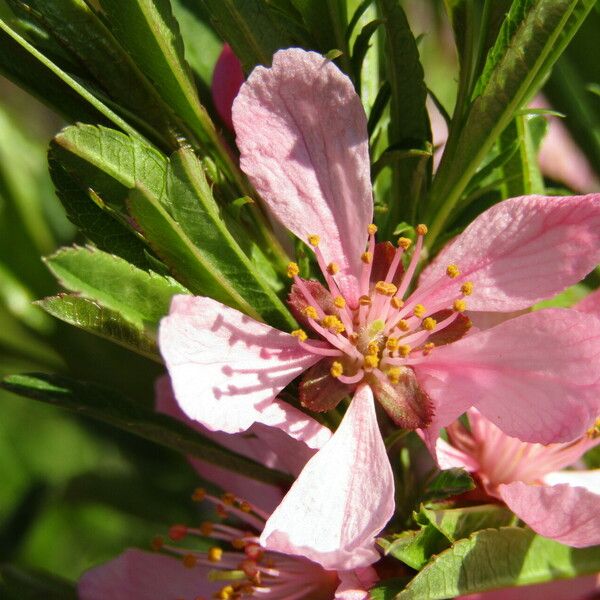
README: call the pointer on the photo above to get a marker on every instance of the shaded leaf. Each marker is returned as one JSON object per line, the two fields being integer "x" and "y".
{"x": 450, "y": 482}
{"x": 19, "y": 583}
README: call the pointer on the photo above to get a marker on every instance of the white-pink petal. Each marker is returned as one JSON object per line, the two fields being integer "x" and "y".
{"x": 227, "y": 368}
{"x": 521, "y": 251}
{"x": 342, "y": 499}
{"x": 137, "y": 575}
{"x": 355, "y": 584}
{"x": 302, "y": 133}
{"x": 537, "y": 376}
{"x": 589, "y": 480}
{"x": 570, "y": 515}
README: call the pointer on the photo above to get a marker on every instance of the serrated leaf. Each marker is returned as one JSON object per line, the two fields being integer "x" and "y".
{"x": 19, "y": 583}
{"x": 450, "y": 482}
{"x": 409, "y": 122}
{"x": 111, "y": 407}
{"x": 97, "y": 319}
{"x": 534, "y": 34}
{"x": 196, "y": 211}
{"x": 142, "y": 297}
{"x": 520, "y": 558}
{"x": 415, "y": 548}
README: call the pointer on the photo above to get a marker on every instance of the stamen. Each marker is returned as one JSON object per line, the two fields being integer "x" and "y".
{"x": 414, "y": 261}
{"x": 215, "y": 554}
{"x": 452, "y": 271}
{"x": 391, "y": 344}
{"x": 421, "y": 230}
{"x": 403, "y": 325}
{"x": 371, "y": 361}
{"x": 366, "y": 257}
{"x": 386, "y": 288}
{"x": 404, "y": 350}
{"x": 300, "y": 334}
{"x": 459, "y": 306}
{"x": 310, "y": 312}
{"x": 333, "y": 268}
{"x": 315, "y": 348}
{"x": 352, "y": 379}
{"x": 373, "y": 348}
{"x": 177, "y": 532}
{"x": 427, "y": 348}
{"x": 190, "y": 561}
{"x": 467, "y": 288}
{"x": 333, "y": 323}
{"x": 393, "y": 374}
{"x": 292, "y": 270}
{"x": 372, "y": 229}
{"x": 404, "y": 243}
{"x": 314, "y": 239}
{"x": 429, "y": 324}
{"x": 199, "y": 494}
{"x": 339, "y": 302}
{"x": 337, "y": 369}
{"x": 397, "y": 302}
{"x": 367, "y": 260}
{"x": 419, "y": 310}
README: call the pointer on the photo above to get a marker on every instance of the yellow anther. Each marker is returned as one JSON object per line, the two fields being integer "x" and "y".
{"x": 468, "y": 323}
{"x": 404, "y": 243}
{"x": 397, "y": 302}
{"x": 333, "y": 323}
{"x": 333, "y": 268}
{"x": 419, "y": 310}
{"x": 300, "y": 334}
{"x": 393, "y": 374}
{"x": 238, "y": 543}
{"x": 215, "y": 554}
{"x": 404, "y": 350}
{"x": 189, "y": 561}
{"x": 336, "y": 369}
{"x": 403, "y": 325}
{"x": 157, "y": 543}
{"x": 421, "y": 229}
{"x": 310, "y": 312}
{"x": 225, "y": 593}
{"x": 429, "y": 324}
{"x": 385, "y": 288}
{"x": 292, "y": 270}
{"x": 314, "y": 239}
{"x": 366, "y": 257}
{"x": 228, "y": 499}
{"x": 372, "y": 229}
{"x": 391, "y": 344}
{"x": 427, "y": 348}
{"x": 371, "y": 361}
{"x": 459, "y": 306}
{"x": 467, "y": 288}
{"x": 353, "y": 338}
{"x": 199, "y": 494}
{"x": 245, "y": 506}
{"x": 452, "y": 271}
{"x": 594, "y": 431}
{"x": 339, "y": 302}
{"x": 364, "y": 301}
{"x": 373, "y": 348}
{"x": 206, "y": 528}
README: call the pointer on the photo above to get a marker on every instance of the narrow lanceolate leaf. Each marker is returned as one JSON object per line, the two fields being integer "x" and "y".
{"x": 111, "y": 407}
{"x": 409, "y": 124}
{"x": 19, "y": 583}
{"x": 194, "y": 208}
{"x": 520, "y": 558}
{"x": 533, "y": 35}
{"x": 94, "y": 318}
{"x": 142, "y": 297}
{"x": 250, "y": 29}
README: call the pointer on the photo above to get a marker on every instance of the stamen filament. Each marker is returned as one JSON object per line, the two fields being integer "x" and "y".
{"x": 351, "y": 379}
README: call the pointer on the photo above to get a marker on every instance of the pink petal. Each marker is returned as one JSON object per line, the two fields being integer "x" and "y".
{"x": 137, "y": 575}
{"x": 227, "y": 78}
{"x": 226, "y": 368}
{"x": 589, "y": 480}
{"x": 536, "y": 376}
{"x": 522, "y": 251}
{"x": 302, "y": 134}
{"x": 590, "y": 304}
{"x": 449, "y": 457}
{"x": 342, "y": 499}
{"x": 579, "y": 588}
{"x": 570, "y": 515}
{"x": 355, "y": 584}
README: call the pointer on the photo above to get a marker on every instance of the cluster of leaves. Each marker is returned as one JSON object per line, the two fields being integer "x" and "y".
{"x": 147, "y": 173}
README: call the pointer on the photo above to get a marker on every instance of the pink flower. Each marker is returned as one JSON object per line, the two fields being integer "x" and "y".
{"x": 303, "y": 140}
{"x": 529, "y": 478}
{"x": 236, "y": 565}
{"x": 228, "y": 76}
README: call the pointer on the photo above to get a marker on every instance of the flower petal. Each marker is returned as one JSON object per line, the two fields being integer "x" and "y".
{"x": 449, "y": 457}
{"x": 302, "y": 134}
{"x": 590, "y": 304}
{"x": 536, "y": 376}
{"x": 355, "y": 584}
{"x": 226, "y": 368}
{"x": 319, "y": 391}
{"x": 137, "y": 575}
{"x": 342, "y": 499}
{"x": 570, "y": 515}
{"x": 227, "y": 78}
{"x": 589, "y": 480}
{"x": 522, "y": 251}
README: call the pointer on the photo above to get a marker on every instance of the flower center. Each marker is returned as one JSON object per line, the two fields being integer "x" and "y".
{"x": 388, "y": 328}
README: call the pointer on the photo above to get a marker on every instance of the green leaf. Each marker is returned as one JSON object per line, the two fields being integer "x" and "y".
{"x": 415, "y": 548}
{"x": 409, "y": 123}
{"x": 97, "y": 319}
{"x": 106, "y": 405}
{"x": 520, "y": 558}
{"x": 18, "y": 583}
{"x": 450, "y": 482}
{"x": 534, "y": 34}
{"x": 249, "y": 27}
{"x": 195, "y": 210}
{"x": 141, "y": 297}
{"x": 360, "y": 48}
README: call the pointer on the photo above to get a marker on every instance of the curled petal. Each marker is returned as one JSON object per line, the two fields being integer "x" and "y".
{"x": 537, "y": 376}
{"x": 137, "y": 575}
{"x": 355, "y": 584}
{"x": 302, "y": 134}
{"x": 570, "y": 515}
{"x": 522, "y": 251}
{"x": 227, "y": 78}
{"x": 227, "y": 368}
{"x": 342, "y": 499}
